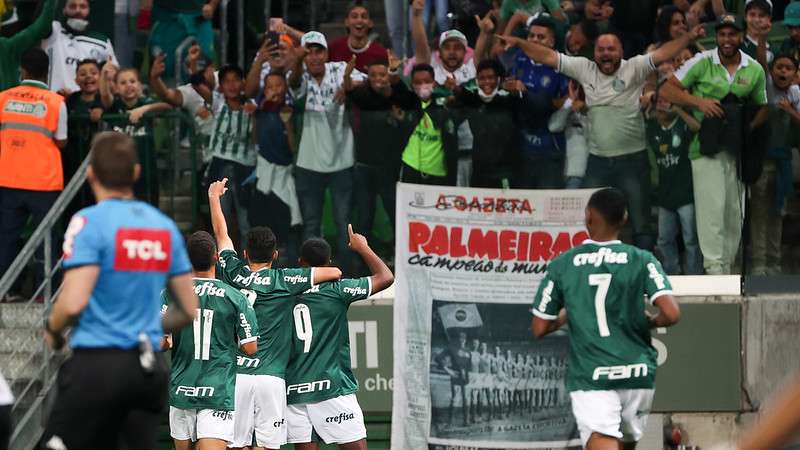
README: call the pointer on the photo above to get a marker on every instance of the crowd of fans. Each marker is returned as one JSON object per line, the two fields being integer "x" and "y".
{"x": 528, "y": 94}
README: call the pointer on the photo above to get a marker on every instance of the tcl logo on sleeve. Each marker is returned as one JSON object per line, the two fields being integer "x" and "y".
{"x": 142, "y": 250}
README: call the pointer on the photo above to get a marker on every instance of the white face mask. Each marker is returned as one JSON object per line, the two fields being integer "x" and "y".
{"x": 487, "y": 97}
{"x": 77, "y": 24}
{"x": 424, "y": 91}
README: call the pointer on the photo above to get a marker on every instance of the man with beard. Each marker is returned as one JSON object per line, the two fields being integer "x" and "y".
{"x": 616, "y": 137}
{"x": 701, "y": 83}
{"x": 69, "y": 43}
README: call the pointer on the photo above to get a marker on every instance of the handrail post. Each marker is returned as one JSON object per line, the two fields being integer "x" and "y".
{"x": 240, "y": 31}
{"x": 223, "y": 31}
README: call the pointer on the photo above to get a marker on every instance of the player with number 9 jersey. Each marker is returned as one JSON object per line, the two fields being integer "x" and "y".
{"x": 599, "y": 288}
{"x": 321, "y": 385}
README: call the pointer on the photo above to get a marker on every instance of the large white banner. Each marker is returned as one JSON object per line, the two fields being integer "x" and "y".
{"x": 467, "y": 373}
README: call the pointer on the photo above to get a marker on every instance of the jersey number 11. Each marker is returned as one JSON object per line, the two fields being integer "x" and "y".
{"x": 202, "y": 335}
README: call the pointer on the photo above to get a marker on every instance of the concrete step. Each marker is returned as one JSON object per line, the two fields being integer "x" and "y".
{"x": 180, "y": 211}
{"x": 20, "y": 366}
{"x": 27, "y": 340}
{"x": 20, "y": 315}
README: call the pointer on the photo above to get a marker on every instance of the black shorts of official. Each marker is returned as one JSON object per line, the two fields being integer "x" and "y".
{"x": 105, "y": 400}
{"x": 5, "y": 426}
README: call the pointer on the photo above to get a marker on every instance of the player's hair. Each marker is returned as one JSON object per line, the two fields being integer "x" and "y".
{"x": 611, "y": 204}
{"x": 201, "y": 248}
{"x": 422, "y": 68}
{"x": 316, "y": 252}
{"x": 260, "y": 244}
{"x": 89, "y": 61}
{"x": 491, "y": 64}
{"x": 113, "y": 159}
{"x": 35, "y": 62}
{"x": 230, "y": 68}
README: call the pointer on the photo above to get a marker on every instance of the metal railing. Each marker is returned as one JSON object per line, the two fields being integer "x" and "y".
{"x": 27, "y": 431}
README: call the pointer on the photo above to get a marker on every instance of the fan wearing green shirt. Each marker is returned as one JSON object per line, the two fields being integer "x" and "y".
{"x": 260, "y": 387}
{"x": 12, "y": 47}
{"x": 599, "y": 289}
{"x": 321, "y": 385}
{"x": 701, "y": 83}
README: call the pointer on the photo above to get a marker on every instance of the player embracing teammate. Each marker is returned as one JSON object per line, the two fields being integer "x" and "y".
{"x": 597, "y": 288}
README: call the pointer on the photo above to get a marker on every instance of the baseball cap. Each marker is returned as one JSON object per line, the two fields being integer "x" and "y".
{"x": 791, "y": 16}
{"x": 313, "y": 37}
{"x": 729, "y": 20}
{"x": 452, "y": 34}
{"x": 542, "y": 20}
{"x": 765, "y": 5}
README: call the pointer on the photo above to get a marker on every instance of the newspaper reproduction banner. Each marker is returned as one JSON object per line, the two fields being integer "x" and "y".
{"x": 467, "y": 372}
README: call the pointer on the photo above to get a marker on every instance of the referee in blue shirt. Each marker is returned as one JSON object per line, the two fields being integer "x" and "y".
{"x": 118, "y": 256}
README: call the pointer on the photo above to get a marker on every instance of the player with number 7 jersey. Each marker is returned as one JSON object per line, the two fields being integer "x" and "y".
{"x": 203, "y": 375}
{"x": 599, "y": 288}
{"x": 321, "y": 386}
{"x": 260, "y": 386}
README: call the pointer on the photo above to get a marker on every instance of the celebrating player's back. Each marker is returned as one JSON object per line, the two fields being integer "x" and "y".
{"x": 201, "y": 395}
{"x": 260, "y": 386}
{"x": 321, "y": 391}
{"x": 601, "y": 286}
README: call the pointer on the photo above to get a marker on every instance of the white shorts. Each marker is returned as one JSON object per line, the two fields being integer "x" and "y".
{"x": 260, "y": 408}
{"x": 621, "y": 413}
{"x": 194, "y": 424}
{"x": 337, "y": 421}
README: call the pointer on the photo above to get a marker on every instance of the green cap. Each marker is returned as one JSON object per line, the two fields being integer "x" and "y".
{"x": 729, "y": 20}
{"x": 791, "y": 16}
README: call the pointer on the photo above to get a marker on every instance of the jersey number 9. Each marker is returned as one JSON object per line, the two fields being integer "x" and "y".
{"x": 302, "y": 326}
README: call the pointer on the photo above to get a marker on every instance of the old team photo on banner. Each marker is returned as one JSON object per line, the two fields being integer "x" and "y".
{"x": 467, "y": 372}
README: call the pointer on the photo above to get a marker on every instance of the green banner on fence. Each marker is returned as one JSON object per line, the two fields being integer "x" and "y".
{"x": 700, "y": 357}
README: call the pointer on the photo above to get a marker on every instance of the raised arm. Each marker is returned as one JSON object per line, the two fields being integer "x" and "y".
{"x": 106, "y": 96}
{"x": 253, "y": 80}
{"x": 422, "y": 51}
{"x": 216, "y": 190}
{"x": 38, "y": 30}
{"x": 323, "y": 274}
{"x": 182, "y": 311}
{"x": 298, "y": 56}
{"x": 381, "y": 276}
{"x": 538, "y": 53}
{"x": 777, "y": 426}
{"x": 670, "y": 49}
{"x": 347, "y": 82}
{"x": 484, "y": 43}
{"x": 171, "y": 96}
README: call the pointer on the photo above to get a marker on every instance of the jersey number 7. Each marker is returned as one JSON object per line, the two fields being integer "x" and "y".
{"x": 602, "y": 281}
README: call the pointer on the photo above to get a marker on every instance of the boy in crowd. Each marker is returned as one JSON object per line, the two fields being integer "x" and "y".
{"x": 670, "y": 131}
{"x": 277, "y": 144}
{"x": 231, "y": 146}
{"x": 758, "y": 19}
{"x": 325, "y": 352}
{"x": 203, "y": 376}
{"x": 87, "y": 99}
{"x": 768, "y": 194}
{"x": 357, "y": 42}
{"x": 377, "y": 136}
{"x": 489, "y": 111}
{"x": 132, "y": 102}
{"x": 430, "y": 155}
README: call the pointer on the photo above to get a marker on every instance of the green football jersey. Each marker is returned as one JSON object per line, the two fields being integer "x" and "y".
{"x": 320, "y": 365}
{"x": 204, "y": 355}
{"x": 271, "y": 293}
{"x": 603, "y": 287}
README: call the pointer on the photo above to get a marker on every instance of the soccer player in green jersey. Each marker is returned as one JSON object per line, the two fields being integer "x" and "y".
{"x": 598, "y": 289}
{"x": 321, "y": 391}
{"x": 260, "y": 386}
{"x": 201, "y": 394}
